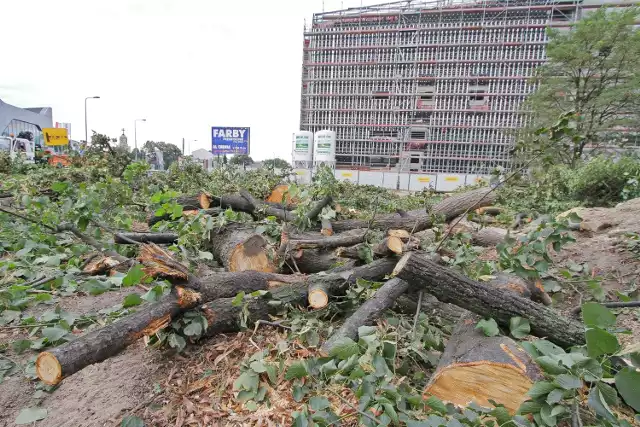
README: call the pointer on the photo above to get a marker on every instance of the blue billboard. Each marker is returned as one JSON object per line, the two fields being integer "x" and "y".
{"x": 226, "y": 140}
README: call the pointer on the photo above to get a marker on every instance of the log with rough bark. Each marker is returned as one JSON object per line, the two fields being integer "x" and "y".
{"x": 521, "y": 287}
{"x": 489, "y": 236}
{"x": 157, "y": 238}
{"x": 486, "y": 300}
{"x": 367, "y": 313}
{"x": 240, "y": 249}
{"x": 55, "y": 364}
{"x": 489, "y": 210}
{"x": 388, "y": 247}
{"x": 198, "y": 201}
{"x": 153, "y": 219}
{"x": 419, "y": 220}
{"x": 223, "y": 317}
{"x": 439, "y": 313}
{"x": 481, "y": 369}
{"x": 314, "y": 261}
{"x": 318, "y": 241}
{"x": 283, "y": 214}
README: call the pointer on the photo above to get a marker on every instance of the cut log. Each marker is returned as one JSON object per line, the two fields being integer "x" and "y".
{"x": 280, "y": 193}
{"x": 388, "y": 247}
{"x": 223, "y": 317}
{"x": 419, "y": 220}
{"x": 481, "y": 369}
{"x": 239, "y": 249}
{"x": 318, "y": 295}
{"x": 367, "y": 313}
{"x": 489, "y": 236}
{"x": 198, "y": 201}
{"x": 157, "y": 238}
{"x": 404, "y": 235}
{"x": 489, "y": 210}
{"x": 439, "y": 313}
{"x": 348, "y": 238}
{"x": 315, "y": 261}
{"x": 485, "y": 300}
{"x": 60, "y": 362}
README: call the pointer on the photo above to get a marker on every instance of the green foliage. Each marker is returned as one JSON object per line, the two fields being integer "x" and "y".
{"x": 602, "y": 181}
{"x": 276, "y": 163}
{"x": 31, "y": 415}
{"x": 170, "y": 152}
{"x": 592, "y": 73}
{"x": 489, "y": 327}
{"x": 241, "y": 159}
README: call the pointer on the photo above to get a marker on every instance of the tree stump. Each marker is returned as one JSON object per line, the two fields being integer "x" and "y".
{"x": 241, "y": 249}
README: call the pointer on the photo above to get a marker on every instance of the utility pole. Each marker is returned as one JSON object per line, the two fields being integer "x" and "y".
{"x": 183, "y": 146}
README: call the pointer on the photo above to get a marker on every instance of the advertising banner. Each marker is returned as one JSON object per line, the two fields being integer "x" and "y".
{"x": 230, "y": 140}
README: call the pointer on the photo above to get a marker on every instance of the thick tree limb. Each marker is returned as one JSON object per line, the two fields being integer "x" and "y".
{"x": 485, "y": 300}
{"x": 157, "y": 238}
{"x": 368, "y": 313}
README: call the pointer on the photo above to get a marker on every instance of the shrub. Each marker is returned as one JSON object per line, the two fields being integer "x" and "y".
{"x": 602, "y": 180}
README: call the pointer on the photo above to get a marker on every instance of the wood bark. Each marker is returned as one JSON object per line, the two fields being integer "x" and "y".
{"x": 439, "y": 313}
{"x": 489, "y": 236}
{"x": 157, "y": 238}
{"x": 239, "y": 249}
{"x": 477, "y": 368}
{"x": 489, "y": 210}
{"x": 55, "y": 364}
{"x": 223, "y": 317}
{"x": 521, "y": 287}
{"x": 486, "y": 300}
{"x": 153, "y": 220}
{"x": 311, "y": 261}
{"x": 388, "y": 247}
{"x": 367, "y": 313}
{"x": 348, "y": 238}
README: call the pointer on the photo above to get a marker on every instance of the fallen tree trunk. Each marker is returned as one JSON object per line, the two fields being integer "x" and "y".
{"x": 367, "y": 313}
{"x": 348, "y": 238}
{"x": 521, "y": 287}
{"x": 486, "y": 300}
{"x": 489, "y": 236}
{"x": 388, "y": 247}
{"x": 60, "y": 362}
{"x": 198, "y": 201}
{"x": 311, "y": 261}
{"x": 419, "y": 220}
{"x": 439, "y": 313}
{"x": 239, "y": 249}
{"x": 481, "y": 369}
{"x": 157, "y": 238}
{"x": 223, "y": 317}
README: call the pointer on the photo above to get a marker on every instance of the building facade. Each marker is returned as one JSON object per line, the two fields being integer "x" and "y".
{"x": 16, "y": 121}
{"x": 428, "y": 90}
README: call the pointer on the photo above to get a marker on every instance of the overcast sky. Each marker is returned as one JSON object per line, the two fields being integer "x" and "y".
{"x": 184, "y": 65}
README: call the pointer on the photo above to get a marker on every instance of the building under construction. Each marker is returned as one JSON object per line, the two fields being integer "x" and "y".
{"x": 432, "y": 88}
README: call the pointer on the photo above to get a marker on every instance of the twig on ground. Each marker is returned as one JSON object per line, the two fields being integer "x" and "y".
{"x": 575, "y": 415}
{"x": 628, "y": 304}
{"x": 417, "y": 316}
{"x": 274, "y": 324}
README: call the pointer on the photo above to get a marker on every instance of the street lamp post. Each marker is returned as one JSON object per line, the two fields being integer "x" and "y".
{"x": 86, "y": 130}
{"x": 135, "y": 134}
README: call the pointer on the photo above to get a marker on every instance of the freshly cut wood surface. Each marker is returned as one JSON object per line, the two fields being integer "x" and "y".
{"x": 240, "y": 249}
{"x": 477, "y": 368}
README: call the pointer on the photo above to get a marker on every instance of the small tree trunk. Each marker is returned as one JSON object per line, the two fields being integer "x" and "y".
{"x": 242, "y": 249}
{"x": 388, "y": 247}
{"x": 199, "y": 201}
{"x": 485, "y": 300}
{"x": 489, "y": 236}
{"x": 311, "y": 261}
{"x": 477, "y": 368}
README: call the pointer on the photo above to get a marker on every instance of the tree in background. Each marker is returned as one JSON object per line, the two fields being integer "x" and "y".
{"x": 592, "y": 80}
{"x": 26, "y": 135}
{"x": 276, "y": 164}
{"x": 241, "y": 159}
{"x": 170, "y": 152}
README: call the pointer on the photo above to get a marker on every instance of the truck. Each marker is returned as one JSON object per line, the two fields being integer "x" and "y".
{"x": 18, "y": 147}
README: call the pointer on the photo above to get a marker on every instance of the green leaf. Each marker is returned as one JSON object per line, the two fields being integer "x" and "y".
{"x": 519, "y": 327}
{"x": 312, "y": 338}
{"x": 437, "y": 405}
{"x": 597, "y": 403}
{"x": 237, "y": 300}
{"x": 154, "y": 294}
{"x": 366, "y": 330}
{"x": 132, "y": 421}
{"x": 59, "y": 187}
{"x": 545, "y": 414}
{"x": 608, "y": 393}
{"x": 551, "y": 365}
{"x": 489, "y": 327}
{"x": 555, "y": 396}
{"x": 245, "y": 395}
{"x": 272, "y": 373}
{"x": 541, "y": 388}
{"x": 299, "y": 392}
{"x": 205, "y": 255}
{"x": 31, "y": 415}
{"x": 594, "y": 314}
{"x": 131, "y": 300}
{"x": 600, "y": 342}
{"x": 193, "y": 329}
{"x": 20, "y": 346}
{"x": 502, "y": 415}
{"x": 530, "y": 407}
{"x": 318, "y": 403}
{"x": 134, "y": 276}
{"x": 176, "y": 211}
{"x": 297, "y": 370}
{"x": 574, "y": 218}
{"x": 344, "y": 348}
{"x": 628, "y": 385}
{"x": 568, "y": 382}
{"x": 177, "y": 342}
{"x": 54, "y": 334}
{"x": 248, "y": 380}
{"x": 258, "y": 366}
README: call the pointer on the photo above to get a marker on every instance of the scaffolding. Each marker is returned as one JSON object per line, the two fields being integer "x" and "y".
{"x": 430, "y": 87}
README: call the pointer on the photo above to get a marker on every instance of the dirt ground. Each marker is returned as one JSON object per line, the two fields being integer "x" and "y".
{"x": 194, "y": 389}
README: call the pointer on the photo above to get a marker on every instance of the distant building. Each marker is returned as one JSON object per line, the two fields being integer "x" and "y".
{"x": 15, "y": 120}
{"x": 123, "y": 141}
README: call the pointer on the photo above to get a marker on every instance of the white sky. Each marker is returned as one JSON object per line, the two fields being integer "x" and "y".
{"x": 184, "y": 65}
